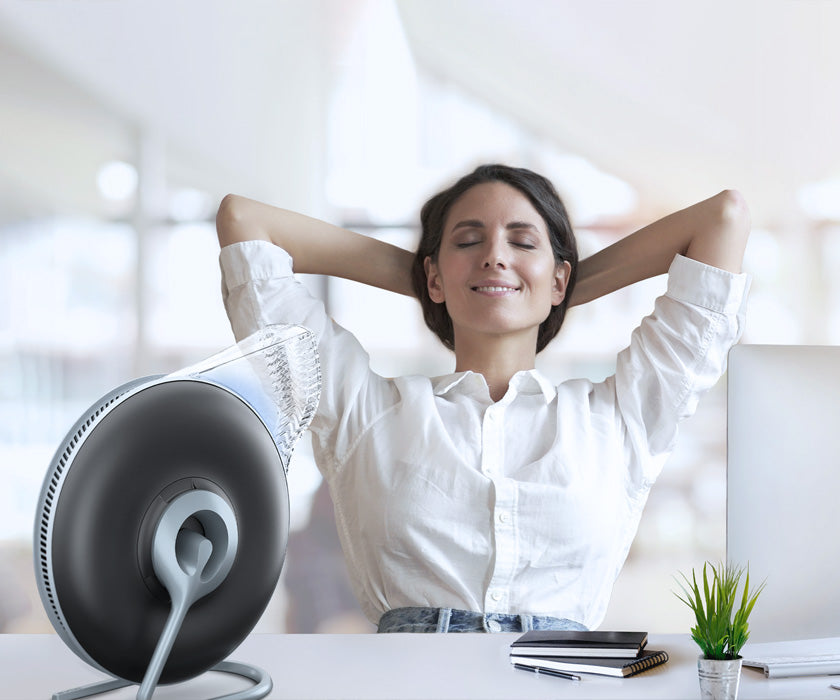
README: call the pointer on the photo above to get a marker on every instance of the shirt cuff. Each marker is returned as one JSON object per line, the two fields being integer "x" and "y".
{"x": 250, "y": 261}
{"x": 693, "y": 282}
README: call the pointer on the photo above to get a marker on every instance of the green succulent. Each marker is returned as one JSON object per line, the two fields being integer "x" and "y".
{"x": 721, "y": 630}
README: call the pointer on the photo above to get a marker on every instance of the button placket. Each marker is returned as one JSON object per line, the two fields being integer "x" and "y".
{"x": 492, "y": 443}
{"x": 503, "y": 523}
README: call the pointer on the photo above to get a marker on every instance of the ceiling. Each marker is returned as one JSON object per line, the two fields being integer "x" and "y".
{"x": 679, "y": 98}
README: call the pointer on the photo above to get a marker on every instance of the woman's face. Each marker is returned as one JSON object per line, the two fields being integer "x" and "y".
{"x": 495, "y": 269}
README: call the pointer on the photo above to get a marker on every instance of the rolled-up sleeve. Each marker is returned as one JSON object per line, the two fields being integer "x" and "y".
{"x": 675, "y": 355}
{"x": 259, "y": 289}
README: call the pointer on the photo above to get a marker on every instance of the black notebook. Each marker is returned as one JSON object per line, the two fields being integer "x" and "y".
{"x": 624, "y": 645}
{"x": 601, "y": 666}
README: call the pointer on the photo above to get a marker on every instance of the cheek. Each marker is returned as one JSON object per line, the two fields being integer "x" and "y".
{"x": 449, "y": 273}
{"x": 545, "y": 273}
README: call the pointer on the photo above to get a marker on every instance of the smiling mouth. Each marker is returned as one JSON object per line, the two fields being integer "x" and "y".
{"x": 495, "y": 289}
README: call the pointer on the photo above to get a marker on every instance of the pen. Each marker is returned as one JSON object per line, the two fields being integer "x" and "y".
{"x": 548, "y": 672}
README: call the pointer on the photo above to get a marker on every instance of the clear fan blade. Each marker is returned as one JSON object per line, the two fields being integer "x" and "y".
{"x": 277, "y": 371}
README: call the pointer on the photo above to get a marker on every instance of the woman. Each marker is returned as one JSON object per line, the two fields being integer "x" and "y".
{"x": 489, "y": 499}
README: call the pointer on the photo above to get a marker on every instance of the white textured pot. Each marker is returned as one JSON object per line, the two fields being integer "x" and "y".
{"x": 719, "y": 678}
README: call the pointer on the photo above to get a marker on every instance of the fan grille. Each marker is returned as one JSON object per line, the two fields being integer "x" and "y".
{"x": 62, "y": 458}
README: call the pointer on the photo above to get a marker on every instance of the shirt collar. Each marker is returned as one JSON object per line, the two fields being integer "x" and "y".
{"x": 525, "y": 382}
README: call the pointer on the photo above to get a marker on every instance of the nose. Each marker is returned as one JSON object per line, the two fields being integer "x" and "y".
{"x": 494, "y": 254}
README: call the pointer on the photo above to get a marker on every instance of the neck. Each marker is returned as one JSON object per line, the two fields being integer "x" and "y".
{"x": 496, "y": 359}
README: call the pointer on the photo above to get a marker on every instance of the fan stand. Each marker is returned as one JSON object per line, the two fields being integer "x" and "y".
{"x": 257, "y": 692}
{"x": 190, "y": 561}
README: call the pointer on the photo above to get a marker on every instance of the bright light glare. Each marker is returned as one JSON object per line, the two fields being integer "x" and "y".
{"x": 374, "y": 121}
{"x": 117, "y": 180}
{"x": 763, "y": 256}
{"x": 591, "y": 193}
{"x": 821, "y": 200}
{"x": 189, "y": 204}
{"x": 184, "y": 276}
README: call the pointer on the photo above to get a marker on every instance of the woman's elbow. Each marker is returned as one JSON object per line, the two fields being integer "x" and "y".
{"x": 734, "y": 212}
{"x": 232, "y": 221}
{"x": 721, "y": 237}
{"x": 228, "y": 219}
{"x": 733, "y": 222}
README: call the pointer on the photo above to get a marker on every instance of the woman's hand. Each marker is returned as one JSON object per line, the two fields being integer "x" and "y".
{"x": 714, "y": 231}
{"x": 315, "y": 246}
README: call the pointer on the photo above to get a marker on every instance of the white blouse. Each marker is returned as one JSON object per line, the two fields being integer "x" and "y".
{"x": 444, "y": 498}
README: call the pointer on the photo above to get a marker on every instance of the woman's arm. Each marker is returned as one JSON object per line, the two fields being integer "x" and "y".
{"x": 316, "y": 246}
{"x": 713, "y": 231}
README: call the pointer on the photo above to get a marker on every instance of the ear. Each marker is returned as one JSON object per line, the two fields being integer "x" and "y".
{"x": 433, "y": 281}
{"x": 562, "y": 273}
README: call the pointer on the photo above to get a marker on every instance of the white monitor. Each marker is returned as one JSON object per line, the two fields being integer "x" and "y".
{"x": 783, "y": 485}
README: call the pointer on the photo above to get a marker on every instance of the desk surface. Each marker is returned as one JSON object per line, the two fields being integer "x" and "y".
{"x": 387, "y": 666}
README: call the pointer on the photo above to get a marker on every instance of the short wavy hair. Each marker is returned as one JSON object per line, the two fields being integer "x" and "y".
{"x": 543, "y": 197}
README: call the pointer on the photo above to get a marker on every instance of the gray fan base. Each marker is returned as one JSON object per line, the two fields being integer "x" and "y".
{"x": 189, "y": 565}
{"x": 257, "y": 692}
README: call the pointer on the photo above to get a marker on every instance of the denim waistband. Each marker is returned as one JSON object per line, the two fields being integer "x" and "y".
{"x": 418, "y": 619}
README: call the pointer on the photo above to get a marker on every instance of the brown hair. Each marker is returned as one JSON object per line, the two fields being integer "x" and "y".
{"x": 543, "y": 197}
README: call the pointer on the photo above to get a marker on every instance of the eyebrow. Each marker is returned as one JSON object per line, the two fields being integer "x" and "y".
{"x": 468, "y": 223}
{"x": 476, "y": 223}
{"x": 521, "y": 224}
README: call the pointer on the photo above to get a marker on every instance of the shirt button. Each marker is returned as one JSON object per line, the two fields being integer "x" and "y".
{"x": 495, "y": 595}
{"x": 503, "y": 517}
{"x": 494, "y": 626}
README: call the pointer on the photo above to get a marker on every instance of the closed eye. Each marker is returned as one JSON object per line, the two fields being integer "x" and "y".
{"x": 523, "y": 234}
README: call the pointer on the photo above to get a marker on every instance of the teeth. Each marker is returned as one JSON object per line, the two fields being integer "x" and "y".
{"x": 495, "y": 289}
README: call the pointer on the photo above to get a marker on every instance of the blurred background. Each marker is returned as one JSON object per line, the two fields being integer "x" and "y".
{"x": 123, "y": 123}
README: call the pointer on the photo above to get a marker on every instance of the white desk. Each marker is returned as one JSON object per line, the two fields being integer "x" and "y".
{"x": 387, "y": 666}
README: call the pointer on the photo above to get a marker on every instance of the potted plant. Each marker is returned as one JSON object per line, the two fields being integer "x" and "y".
{"x": 721, "y": 628}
